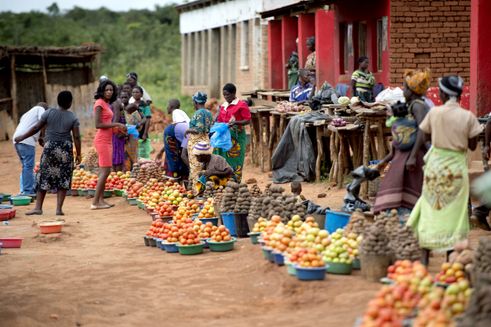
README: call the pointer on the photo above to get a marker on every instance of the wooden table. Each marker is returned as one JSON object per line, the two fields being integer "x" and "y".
{"x": 260, "y": 135}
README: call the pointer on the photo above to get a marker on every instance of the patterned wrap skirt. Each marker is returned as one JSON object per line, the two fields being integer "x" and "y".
{"x": 56, "y": 167}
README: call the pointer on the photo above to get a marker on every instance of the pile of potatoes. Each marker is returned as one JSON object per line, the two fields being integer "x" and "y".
{"x": 243, "y": 200}
{"x": 375, "y": 240}
{"x": 256, "y": 191}
{"x": 478, "y": 312}
{"x": 229, "y": 198}
{"x": 357, "y": 223}
{"x": 404, "y": 244}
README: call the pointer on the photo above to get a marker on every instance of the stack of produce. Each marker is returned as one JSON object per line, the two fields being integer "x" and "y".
{"x": 311, "y": 259}
{"x": 404, "y": 244}
{"x": 256, "y": 209}
{"x": 464, "y": 255}
{"x": 260, "y": 225}
{"x": 256, "y": 191}
{"x": 154, "y": 230}
{"x": 281, "y": 238}
{"x": 164, "y": 209}
{"x": 243, "y": 200}
{"x": 208, "y": 210}
{"x": 189, "y": 237}
{"x": 482, "y": 259}
{"x": 116, "y": 180}
{"x": 450, "y": 273}
{"x": 375, "y": 240}
{"x": 79, "y": 178}
{"x": 478, "y": 313}
{"x": 133, "y": 188}
{"x": 90, "y": 160}
{"x": 221, "y": 234}
{"x": 295, "y": 223}
{"x": 401, "y": 269}
{"x": 270, "y": 226}
{"x": 343, "y": 249}
{"x": 148, "y": 169}
{"x": 91, "y": 182}
{"x": 206, "y": 230}
{"x": 286, "y": 106}
{"x": 267, "y": 190}
{"x": 229, "y": 198}
{"x": 135, "y": 171}
{"x": 273, "y": 203}
{"x": 313, "y": 238}
{"x": 357, "y": 223}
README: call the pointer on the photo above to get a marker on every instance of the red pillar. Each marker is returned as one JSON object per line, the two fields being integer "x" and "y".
{"x": 275, "y": 55}
{"x": 289, "y": 33}
{"x": 480, "y": 87}
{"x": 306, "y": 29}
{"x": 327, "y": 47}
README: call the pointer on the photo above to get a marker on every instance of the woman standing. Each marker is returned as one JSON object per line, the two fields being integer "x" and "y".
{"x": 310, "y": 62}
{"x": 236, "y": 113}
{"x": 401, "y": 186}
{"x": 362, "y": 81}
{"x": 144, "y": 146}
{"x": 132, "y": 117}
{"x": 119, "y": 139}
{"x": 199, "y": 128}
{"x": 440, "y": 217}
{"x": 56, "y": 167}
{"x": 106, "y": 94}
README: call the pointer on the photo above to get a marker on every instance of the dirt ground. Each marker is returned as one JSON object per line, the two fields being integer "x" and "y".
{"x": 99, "y": 273}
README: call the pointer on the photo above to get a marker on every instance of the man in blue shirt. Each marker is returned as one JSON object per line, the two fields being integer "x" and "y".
{"x": 304, "y": 89}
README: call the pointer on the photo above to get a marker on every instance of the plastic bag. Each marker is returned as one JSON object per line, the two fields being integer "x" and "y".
{"x": 131, "y": 130}
{"x": 221, "y": 137}
{"x": 390, "y": 95}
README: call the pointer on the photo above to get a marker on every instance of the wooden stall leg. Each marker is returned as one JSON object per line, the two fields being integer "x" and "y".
{"x": 320, "y": 153}
{"x": 341, "y": 166}
{"x": 366, "y": 154}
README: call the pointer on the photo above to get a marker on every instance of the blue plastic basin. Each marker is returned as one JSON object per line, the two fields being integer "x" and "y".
{"x": 335, "y": 220}
{"x": 214, "y": 221}
{"x": 310, "y": 273}
{"x": 228, "y": 219}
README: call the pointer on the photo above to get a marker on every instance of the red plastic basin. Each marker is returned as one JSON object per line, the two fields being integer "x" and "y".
{"x": 13, "y": 242}
{"x": 50, "y": 227}
{"x": 6, "y": 214}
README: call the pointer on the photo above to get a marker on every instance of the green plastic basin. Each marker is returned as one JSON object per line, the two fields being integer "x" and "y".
{"x": 221, "y": 246}
{"x": 190, "y": 249}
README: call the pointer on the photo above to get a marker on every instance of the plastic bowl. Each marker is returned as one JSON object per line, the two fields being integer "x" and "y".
{"x": 5, "y": 197}
{"x": 140, "y": 204}
{"x": 82, "y": 192}
{"x": 153, "y": 242}
{"x": 338, "y": 268}
{"x": 6, "y": 214}
{"x": 118, "y": 192}
{"x": 313, "y": 273}
{"x": 221, "y": 246}
{"x": 170, "y": 247}
{"x": 146, "y": 240}
{"x": 6, "y": 206}
{"x": 290, "y": 268}
{"x": 108, "y": 193}
{"x": 158, "y": 242}
{"x": 132, "y": 201}
{"x": 74, "y": 192}
{"x": 190, "y": 249}
{"x": 91, "y": 192}
{"x": 268, "y": 253}
{"x": 254, "y": 237}
{"x": 356, "y": 264}
{"x": 213, "y": 220}
{"x": 279, "y": 259}
{"x": 50, "y": 227}
{"x": 12, "y": 242}
{"x": 20, "y": 200}
{"x": 205, "y": 243}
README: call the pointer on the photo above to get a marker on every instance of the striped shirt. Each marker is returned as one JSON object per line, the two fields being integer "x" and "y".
{"x": 364, "y": 81}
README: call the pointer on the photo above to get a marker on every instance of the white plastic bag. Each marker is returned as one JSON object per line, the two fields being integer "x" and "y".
{"x": 391, "y": 95}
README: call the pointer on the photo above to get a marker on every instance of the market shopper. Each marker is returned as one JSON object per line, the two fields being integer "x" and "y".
{"x": 199, "y": 129}
{"x": 133, "y": 117}
{"x": 132, "y": 80}
{"x": 212, "y": 167}
{"x": 174, "y": 110}
{"x": 311, "y": 58}
{"x": 106, "y": 93}
{"x": 236, "y": 113}
{"x": 304, "y": 89}
{"x": 440, "y": 217}
{"x": 363, "y": 81}
{"x": 56, "y": 167}
{"x": 144, "y": 146}
{"x": 401, "y": 186}
{"x": 119, "y": 139}
{"x": 26, "y": 150}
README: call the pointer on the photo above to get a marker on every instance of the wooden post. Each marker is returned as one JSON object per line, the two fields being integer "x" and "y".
{"x": 341, "y": 165}
{"x": 320, "y": 153}
{"x": 45, "y": 79}
{"x": 13, "y": 91}
{"x": 366, "y": 154}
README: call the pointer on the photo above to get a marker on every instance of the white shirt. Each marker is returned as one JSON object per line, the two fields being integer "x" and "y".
{"x": 27, "y": 121}
{"x": 146, "y": 97}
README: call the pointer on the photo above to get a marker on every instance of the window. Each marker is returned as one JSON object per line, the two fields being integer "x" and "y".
{"x": 244, "y": 45}
{"x": 381, "y": 40}
{"x": 347, "y": 46}
{"x": 362, "y": 39}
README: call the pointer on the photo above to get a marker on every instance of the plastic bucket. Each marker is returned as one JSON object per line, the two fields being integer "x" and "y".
{"x": 290, "y": 268}
{"x": 279, "y": 259}
{"x": 170, "y": 247}
{"x": 356, "y": 264}
{"x": 214, "y": 221}
{"x": 241, "y": 224}
{"x": 221, "y": 246}
{"x": 335, "y": 220}
{"x": 338, "y": 268}
{"x": 314, "y": 273}
{"x": 254, "y": 237}
{"x": 228, "y": 219}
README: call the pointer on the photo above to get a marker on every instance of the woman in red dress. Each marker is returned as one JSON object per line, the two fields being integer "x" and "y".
{"x": 106, "y": 94}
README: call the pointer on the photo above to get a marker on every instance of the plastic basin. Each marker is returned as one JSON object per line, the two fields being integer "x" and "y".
{"x": 82, "y": 192}
{"x": 228, "y": 219}
{"x": 132, "y": 201}
{"x": 20, "y": 200}
{"x": 279, "y": 259}
{"x": 91, "y": 192}
{"x": 335, "y": 220}
{"x": 74, "y": 192}
{"x": 264, "y": 251}
{"x": 146, "y": 240}
{"x": 268, "y": 253}
{"x": 118, "y": 192}
{"x": 221, "y": 246}
{"x": 140, "y": 204}
{"x": 356, "y": 264}
{"x": 290, "y": 268}
{"x": 153, "y": 242}
{"x": 254, "y": 237}
{"x": 338, "y": 268}
{"x": 6, "y": 214}
{"x": 170, "y": 247}
{"x": 190, "y": 249}
{"x": 158, "y": 242}
{"x": 108, "y": 193}
{"x": 5, "y": 197}
{"x": 312, "y": 273}
{"x": 11, "y": 242}
{"x": 50, "y": 227}
{"x": 214, "y": 220}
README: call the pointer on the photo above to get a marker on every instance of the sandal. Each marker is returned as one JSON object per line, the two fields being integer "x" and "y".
{"x": 94, "y": 207}
{"x": 34, "y": 212}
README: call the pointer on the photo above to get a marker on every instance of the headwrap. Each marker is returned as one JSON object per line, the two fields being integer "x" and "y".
{"x": 418, "y": 81}
{"x": 103, "y": 78}
{"x": 179, "y": 116}
{"x": 202, "y": 148}
{"x": 451, "y": 85}
{"x": 200, "y": 97}
{"x": 133, "y": 75}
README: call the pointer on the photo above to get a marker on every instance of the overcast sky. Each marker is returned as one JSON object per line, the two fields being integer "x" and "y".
{"x": 116, "y": 5}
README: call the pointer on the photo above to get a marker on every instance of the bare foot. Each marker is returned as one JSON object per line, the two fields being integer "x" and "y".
{"x": 60, "y": 213}
{"x": 34, "y": 212}
{"x": 99, "y": 206}
{"x": 107, "y": 204}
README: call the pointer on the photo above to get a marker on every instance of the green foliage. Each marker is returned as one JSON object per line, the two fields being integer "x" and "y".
{"x": 145, "y": 41}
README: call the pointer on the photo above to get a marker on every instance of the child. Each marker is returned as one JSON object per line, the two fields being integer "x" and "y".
{"x": 296, "y": 188}
{"x": 133, "y": 117}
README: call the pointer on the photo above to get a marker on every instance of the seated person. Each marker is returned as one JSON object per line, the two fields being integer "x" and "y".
{"x": 296, "y": 188}
{"x": 214, "y": 167}
{"x": 304, "y": 89}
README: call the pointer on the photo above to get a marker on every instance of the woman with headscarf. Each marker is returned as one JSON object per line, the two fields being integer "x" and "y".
{"x": 310, "y": 62}
{"x": 119, "y": 139}
{"x": 213, "y": 168}
{"x": 401, "y": 186}
{"x": 199, "y": 129}
{"x": 144, "y": 146}
{"x": 236, "y": 114}
{"x": 133, "y": 117}
{"x": 440, "y": 217}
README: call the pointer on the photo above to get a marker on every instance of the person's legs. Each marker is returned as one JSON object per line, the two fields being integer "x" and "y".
{"x": 479, "y": 217}
{"x": 26, "y": 154}
{"x": 38, "y": 210}
{"x": 61, "y": 194}
{"x": 99, "y": 191}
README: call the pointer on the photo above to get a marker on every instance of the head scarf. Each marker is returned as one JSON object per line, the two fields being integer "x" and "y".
{"x": 103, "y": 78}
{"x": 133, "y": 75}
{"x": 202, "y": 148}
{"x": 451, "y": 85}
{"x": 418, "y": 81}
{"x": 179, "y": 116}
{"x": 200, "y": 97}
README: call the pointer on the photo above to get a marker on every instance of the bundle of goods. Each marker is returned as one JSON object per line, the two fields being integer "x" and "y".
{"x": 375, "y": 240}
{"x": 243, "y": 200}
{"x": 463, "y": 255}
{"x": 357, "y": 223}
{"x": 343, "y": 249}
{"x": 255, "y": 191}
{"x": 90, "y": 160}
{"x": 229, "y": 198}
{"x": 404, "y": 244}
{"x": 256, "y": 209}
{"x": 286, "y": 106}
{"x": 482, "y": 260}
{"x": 148, "y": 169}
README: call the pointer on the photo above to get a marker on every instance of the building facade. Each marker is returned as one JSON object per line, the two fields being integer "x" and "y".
{"x": 222, "y": 42}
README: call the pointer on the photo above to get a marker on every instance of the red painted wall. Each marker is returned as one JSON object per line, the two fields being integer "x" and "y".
{"x": 306, "y": 29}
{"x": 275, "y": 62}
{"x": 289, "y": 34}
{"x": 480, "y": 87}
{"x": 327, "y": 46}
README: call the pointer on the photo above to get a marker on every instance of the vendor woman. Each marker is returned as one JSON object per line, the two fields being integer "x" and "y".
{"x": 362, "y": 81}
{"x": 304, "y": 89}
{"x": 214, "y": 168}
{"x": 236, "y": 113}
